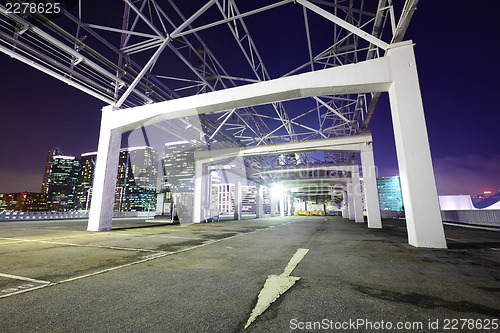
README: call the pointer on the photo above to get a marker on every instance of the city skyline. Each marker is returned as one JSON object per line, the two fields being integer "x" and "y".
{"x": 41, "y": 112}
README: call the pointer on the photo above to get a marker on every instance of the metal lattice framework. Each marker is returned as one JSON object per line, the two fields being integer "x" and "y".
{"x": 129, "y": 53}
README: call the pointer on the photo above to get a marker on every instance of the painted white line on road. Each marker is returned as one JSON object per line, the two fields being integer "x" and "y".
{"x": 159, "y": 256}
{"x": 16, "y": 277}
{"x": 24, "y": 288}
{"x": 31, "y": 285}
{"x": 21, "y": 240}
{"x": 82, "y": 245}
{"x": 176, "y": 237}
{"x": 276, "y": 285}
{"x": 473, "y": 244}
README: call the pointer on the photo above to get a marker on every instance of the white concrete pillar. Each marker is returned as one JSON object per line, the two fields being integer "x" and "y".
{"x": 289, "y": 205}
{"x": 423, "y": 215}
{"x": 356, "y": 194}
{"x": 282, "y": 205}
{"x": 371, "y": 191}
{"x": 160, "y": 203}
{"x": 106, "y": 170}
{"x": 199, "y": 201}
{"x": 237, "y": 197}
{"x": 343, "y": 206}
{"x": 350, "y": 202}
{"x": 259, "y": 201}
{"x": 273, "y": 206}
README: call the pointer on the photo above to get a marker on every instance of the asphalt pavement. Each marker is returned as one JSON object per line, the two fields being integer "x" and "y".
{"x": 149, "y": 277}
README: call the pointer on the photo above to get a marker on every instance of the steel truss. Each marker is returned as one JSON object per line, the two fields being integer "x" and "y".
{"x": 158, "y": 51}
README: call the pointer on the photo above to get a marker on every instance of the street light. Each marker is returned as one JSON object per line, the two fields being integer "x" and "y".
{"x": 276, "y": 190}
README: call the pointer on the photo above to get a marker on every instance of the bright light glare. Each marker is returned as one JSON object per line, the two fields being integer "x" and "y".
{"x": 276, "y": 190}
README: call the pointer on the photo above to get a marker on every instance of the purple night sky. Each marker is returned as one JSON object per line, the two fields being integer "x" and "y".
{"x": 456, "y": 54}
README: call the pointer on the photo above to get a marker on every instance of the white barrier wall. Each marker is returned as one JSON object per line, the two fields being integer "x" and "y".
{"x": 16, "y": 216}
{"x": 490, "y": 218}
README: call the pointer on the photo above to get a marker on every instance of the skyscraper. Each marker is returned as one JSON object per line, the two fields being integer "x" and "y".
{"x": 178, "y": 176}
{"x": 85, "y": 180}
{"x": 389, "y": 192}
{"x": 215, "y": 180}
{"x": 48, "y": 166}
{"x": 136, "y": 180}
{"x": 62, "y": 183}
{"x": 23, "y": 202}
{"x": 137, "y": 175}
{"x": 178, "y": 166}
{"x": 249, "y": 200}
{"x": 225, "y": 198}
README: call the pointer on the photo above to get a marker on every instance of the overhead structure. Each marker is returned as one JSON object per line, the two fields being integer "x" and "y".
{"x": 228, "y": 74}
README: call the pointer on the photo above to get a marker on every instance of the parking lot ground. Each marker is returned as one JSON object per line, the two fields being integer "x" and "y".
{"x": 57, "y": 277}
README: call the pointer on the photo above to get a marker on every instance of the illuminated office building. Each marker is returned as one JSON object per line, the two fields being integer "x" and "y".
{"x": 23, "y": 202}
{"x": 249, "y": 199}
{"x": 266, "y": 198}
{"x": 48, "y": 166}
{"x": 389, "y": 193}
{"x": 225, "y": 195}
{"x": 62, "y": 183}
{"x": 224, "y": 199}
{"x": 178, "y": 172}
{"x": 85, "y": 180}
{"x": 135, "y": 185}
{"x": 137, "y": 174}
{"x": 215, "y": 180}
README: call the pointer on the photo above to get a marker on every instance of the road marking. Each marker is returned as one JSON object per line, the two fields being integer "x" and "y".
{"x": 154, "y": 255}
{"x": 32, "y": 285}
{"x": 297, "y": 257}
{"x": 10, "y": 276}
{"x": 82, "y": 245}
{"x": 22, "y": 288}
{"x": 175, "y": 237}
{"x": 41, "y": 284}
{"x": 476, "y": 245}
{"x": 276, "y": 285}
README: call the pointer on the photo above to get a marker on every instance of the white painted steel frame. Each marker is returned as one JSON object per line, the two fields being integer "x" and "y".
{"x": 357, "y": 143}
{"x": 396, "y": 73}
{"x": 142, "y": 83}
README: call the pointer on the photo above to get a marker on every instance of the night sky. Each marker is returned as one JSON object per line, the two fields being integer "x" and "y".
{"x": 457, "y": 58}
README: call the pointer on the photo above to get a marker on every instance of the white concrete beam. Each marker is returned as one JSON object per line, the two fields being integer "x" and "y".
{"x": 371, "y": 191}
{"x": 289, "y": 205}
{"x": 350, "y": 202}
{"x": 356, "y": 194}
{"x": 352, "y": 143}
{"x": 423, "y": 215}
{"x": 282, "y": 204}
{"x": 237, "y": 197}
{"x": 198, "y": 207}
{"x": 367, "y": 76}
{"x": 344, "y": 204}
{"x": 106, "y": 170}
{"x": 300, "y": 168}
{"x": 273, "y": 206}
{"x": 259, "y": 201}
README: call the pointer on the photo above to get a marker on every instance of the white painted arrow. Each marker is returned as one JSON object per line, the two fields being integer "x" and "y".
{"x": 276, "y": 285}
